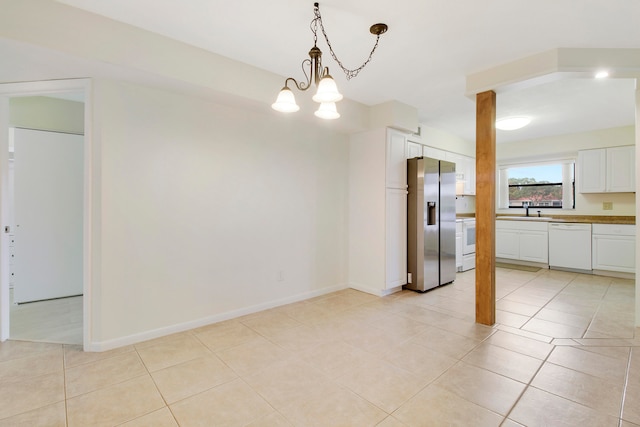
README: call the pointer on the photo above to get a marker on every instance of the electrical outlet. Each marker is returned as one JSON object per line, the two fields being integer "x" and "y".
{"x": 607, "y": 206}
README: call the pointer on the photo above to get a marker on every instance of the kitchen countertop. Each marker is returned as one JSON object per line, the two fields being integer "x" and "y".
{"x": 587, "y": 219}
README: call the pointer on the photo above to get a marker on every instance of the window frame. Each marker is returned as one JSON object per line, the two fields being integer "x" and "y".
{"x": 568, "y": 183}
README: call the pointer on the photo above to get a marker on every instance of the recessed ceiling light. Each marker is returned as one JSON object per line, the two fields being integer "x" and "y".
{"x": 512, "y": 123}
{"x": 602, "y": 74}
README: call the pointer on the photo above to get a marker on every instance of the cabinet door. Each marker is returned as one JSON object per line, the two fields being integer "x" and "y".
{"x": 413, "y": 150}
{"x": 507, "y": 244}
{"x": 592, "y": 171}
{"x": 470, "y": 175}
{"x": 396, "y": 159}
{"x": 614, "y": 253}
{"x": 534, "y": 246}
{"x": 396, "y": 238}
{"x": 621, "y": 175}
{"x": 433, "y": 153}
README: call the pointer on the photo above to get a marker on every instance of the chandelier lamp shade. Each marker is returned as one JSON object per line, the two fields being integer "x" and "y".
{"x": 327, "y": 93}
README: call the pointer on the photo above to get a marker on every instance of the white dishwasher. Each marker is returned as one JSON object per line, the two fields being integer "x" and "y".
{"x": 570, "y": 245}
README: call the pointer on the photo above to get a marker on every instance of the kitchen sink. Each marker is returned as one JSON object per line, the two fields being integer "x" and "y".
{"x": 524, "y": 218}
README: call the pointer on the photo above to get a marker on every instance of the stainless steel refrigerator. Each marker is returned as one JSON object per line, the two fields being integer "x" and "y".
{"x": 431, "y": 223}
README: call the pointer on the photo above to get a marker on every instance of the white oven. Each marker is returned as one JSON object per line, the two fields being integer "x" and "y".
{"x": 468, "y": 244}
{"x": 468, "y": 236}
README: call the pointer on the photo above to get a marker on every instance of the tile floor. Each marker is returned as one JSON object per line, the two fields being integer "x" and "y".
{"x": 563, "y": 353}
{"x": 56, "y": 321}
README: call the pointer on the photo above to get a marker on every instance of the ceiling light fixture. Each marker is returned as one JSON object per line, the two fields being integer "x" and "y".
{"x": 602, "y": 74}
{"x": 327, "y": 94}
{"x": 512, "y": 123}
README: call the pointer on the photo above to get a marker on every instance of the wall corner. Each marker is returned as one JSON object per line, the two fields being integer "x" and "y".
{"x": 396, "y": 115}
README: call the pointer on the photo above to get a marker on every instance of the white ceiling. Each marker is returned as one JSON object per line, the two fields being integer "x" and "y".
{"x": 431, "y": 46}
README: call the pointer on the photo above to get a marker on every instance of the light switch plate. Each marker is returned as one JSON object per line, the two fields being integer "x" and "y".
{"x": 607, "y": 206}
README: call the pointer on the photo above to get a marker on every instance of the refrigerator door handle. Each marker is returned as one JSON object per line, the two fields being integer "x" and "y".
{"x": 431, "y": 213}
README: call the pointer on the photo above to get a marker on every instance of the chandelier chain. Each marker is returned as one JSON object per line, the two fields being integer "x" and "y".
{"x": 348, "y": 72}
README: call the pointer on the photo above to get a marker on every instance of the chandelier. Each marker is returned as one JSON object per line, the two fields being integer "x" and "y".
{"x": 327, "y": 94}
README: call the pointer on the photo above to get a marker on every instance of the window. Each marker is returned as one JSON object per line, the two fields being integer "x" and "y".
{"x": 545, "y": 185}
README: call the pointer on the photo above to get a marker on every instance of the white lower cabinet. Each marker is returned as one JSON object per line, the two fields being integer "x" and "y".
{"x": 507, "y": 243}
{"x": 523, "y": 241}
{"x": 396, "y": 247}
{"x": 534, "y": 245}
{"x": 613, "y": 248}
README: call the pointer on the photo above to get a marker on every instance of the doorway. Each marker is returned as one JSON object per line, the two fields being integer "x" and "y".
{"x": 56, "y": 310}
{"x": 46, "y": 232}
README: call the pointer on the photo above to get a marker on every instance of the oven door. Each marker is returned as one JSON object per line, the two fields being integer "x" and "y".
{"x": 468, "y": 237}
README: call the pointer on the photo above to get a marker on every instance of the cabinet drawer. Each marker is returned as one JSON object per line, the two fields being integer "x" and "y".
{"x": 522, "y": 225}
{"x": 614, "y": 229}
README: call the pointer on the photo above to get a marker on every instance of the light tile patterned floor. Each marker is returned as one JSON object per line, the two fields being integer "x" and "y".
{"x": 57, "y": 321}
{"x": 563, "y": 353}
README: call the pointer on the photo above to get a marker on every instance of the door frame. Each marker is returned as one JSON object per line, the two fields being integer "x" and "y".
{"x": 42, "y": 88}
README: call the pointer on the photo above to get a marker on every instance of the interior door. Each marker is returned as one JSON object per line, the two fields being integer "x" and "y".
{"x": 48, "y": 203}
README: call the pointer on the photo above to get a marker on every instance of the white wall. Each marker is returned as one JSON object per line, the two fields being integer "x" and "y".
{"x": 567, "y": 146}
{"x": 199, "y": 207}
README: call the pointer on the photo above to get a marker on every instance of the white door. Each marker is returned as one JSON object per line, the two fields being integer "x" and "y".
{"x": 48, "y": 202}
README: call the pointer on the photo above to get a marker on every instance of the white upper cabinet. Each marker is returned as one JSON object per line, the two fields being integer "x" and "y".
{"x": 606, "y": 170}
{"x": 621, "y": 168}
{"x": 591, "y": 170}
{"x": 396, "y": 159}
{"x": 465, "y": 173}
{"x": 434, "y": 153}
{"x": 465, "y": 168}
{"x": 413, "y": 150}
{"x": 468, "y": 167}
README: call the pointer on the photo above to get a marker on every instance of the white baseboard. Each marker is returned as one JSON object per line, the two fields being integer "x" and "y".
{"x": 181, "y": 327}
{"x": 376, "y": 292}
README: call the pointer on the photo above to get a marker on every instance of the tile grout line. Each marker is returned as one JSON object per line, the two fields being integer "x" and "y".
{"x": 525, "y": 284}
{"x": 238, "y": 376}
{"x": 554, "y": 346}
{"x": 64, "y": 385}
{"x": 558, "y": 293}
{"x": 596, "y": 312}
{"x": 527, "y": 385}
{"x": 626, "y": 384}
{"x": 166, "y": 404}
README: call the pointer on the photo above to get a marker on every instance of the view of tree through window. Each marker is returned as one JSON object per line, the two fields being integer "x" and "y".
{"x": 537, "y": 186}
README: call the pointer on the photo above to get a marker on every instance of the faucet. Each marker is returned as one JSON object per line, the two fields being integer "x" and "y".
{"x": 526, "y": 208}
